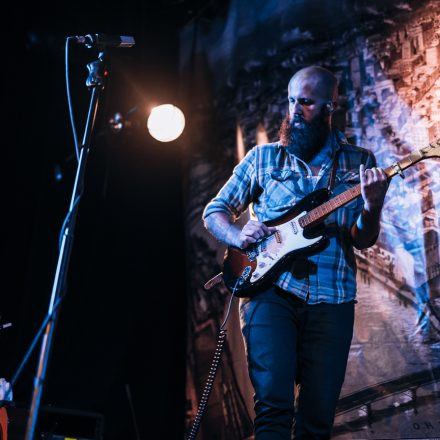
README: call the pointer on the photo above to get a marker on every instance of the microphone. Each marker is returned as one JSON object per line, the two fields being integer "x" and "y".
{"x": 102, "y": 41}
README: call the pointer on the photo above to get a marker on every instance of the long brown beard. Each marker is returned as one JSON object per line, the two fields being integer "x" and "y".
{"x": 306, "y": 141}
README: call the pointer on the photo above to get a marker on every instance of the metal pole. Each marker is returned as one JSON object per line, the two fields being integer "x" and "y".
{"x": 96, "y": 82}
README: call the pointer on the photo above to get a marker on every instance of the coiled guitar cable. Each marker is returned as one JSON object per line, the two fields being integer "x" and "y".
{"x": 214, "y": 367}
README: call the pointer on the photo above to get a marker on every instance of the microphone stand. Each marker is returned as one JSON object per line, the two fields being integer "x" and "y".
{"x": 95, "y": 82}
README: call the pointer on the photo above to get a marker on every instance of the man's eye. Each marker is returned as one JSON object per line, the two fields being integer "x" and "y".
{"x": 305, "y": 101}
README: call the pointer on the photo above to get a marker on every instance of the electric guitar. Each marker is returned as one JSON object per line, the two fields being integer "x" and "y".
{"x": 246, "y": 270}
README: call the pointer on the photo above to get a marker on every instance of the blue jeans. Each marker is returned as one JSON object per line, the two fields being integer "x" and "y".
{"x": 291, "y": 342}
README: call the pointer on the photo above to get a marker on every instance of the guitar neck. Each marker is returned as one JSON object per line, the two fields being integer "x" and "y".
{"x": 319, "y": 213}
{"x": 316, "y": 215}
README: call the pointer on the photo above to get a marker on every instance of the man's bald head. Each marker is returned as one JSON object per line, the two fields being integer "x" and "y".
{"x": 318, "y": 81}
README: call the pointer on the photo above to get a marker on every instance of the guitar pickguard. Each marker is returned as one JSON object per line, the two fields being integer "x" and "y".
{"x": 288, "y": 239}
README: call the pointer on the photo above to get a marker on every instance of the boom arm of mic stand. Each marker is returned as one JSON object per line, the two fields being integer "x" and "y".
{"x": 96, "y": 82}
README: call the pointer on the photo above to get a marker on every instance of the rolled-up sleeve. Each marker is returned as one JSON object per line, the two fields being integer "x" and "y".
{"x": 236, "y": 194}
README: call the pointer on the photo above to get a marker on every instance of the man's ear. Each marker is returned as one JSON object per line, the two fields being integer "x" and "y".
{"x": 330, "y": 107}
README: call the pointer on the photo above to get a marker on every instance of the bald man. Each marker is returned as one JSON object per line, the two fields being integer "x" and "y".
{"x": 297, "y": 331}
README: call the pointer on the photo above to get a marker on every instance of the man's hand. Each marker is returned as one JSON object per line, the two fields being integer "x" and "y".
{"x": 224, "y": 229}
{"x": 374, "y": 185}
{"x": 252, "y": 232}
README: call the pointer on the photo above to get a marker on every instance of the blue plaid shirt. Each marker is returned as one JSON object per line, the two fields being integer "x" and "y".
{"x": 273, "y": 180}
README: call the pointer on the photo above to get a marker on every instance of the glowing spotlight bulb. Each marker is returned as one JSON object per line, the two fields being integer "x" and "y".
{"x": 166, "y": 122}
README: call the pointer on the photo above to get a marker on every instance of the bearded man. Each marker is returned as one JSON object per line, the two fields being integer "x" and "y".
{"x": 297, "y": 331}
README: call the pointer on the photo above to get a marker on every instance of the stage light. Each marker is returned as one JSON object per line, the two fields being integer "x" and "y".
{"x": 166, "y": 122}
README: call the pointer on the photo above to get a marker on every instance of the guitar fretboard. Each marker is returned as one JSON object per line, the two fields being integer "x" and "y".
{"x": 321, "y": 212}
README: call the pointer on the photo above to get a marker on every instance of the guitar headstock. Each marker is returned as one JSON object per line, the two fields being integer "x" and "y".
{"x": 432, "y": 150}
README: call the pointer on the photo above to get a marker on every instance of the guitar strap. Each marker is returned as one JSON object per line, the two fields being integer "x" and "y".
{"x": 332, "y": 178}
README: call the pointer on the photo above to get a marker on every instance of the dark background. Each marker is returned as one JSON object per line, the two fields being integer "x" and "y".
{"x": 123, "y": 320}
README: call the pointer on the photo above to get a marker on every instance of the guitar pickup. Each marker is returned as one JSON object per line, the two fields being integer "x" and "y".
{"x": 278, "y": 236}
{"x": 294, "y": 227}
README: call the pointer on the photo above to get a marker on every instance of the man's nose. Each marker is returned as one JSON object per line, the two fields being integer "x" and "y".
{"x": 296, "y": 108}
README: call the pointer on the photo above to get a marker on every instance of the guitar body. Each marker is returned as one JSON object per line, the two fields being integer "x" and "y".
{"x": 251, "y": 269}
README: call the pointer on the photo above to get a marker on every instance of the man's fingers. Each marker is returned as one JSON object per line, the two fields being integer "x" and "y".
{"x": 379, "y": 174}
{"x": 257, "y": 234}
{"x": 375, "y": 175}
{"x": 253, "y": 231}
{"x": 362, "y": 173}
{"x": 371, "y": 174}
{"x": 268, "y": 229}
{"x": 249, "y": 239}
{"x": 253, "y": 227}
{"x": 383, "y": 175}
